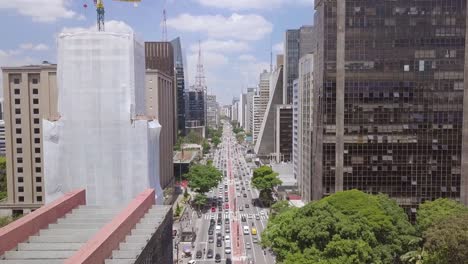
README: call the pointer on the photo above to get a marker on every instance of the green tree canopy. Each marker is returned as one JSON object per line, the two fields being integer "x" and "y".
{"x": 206, "y": 146}
{"x": 200, "y": 200}
{"x": 431, "y": 212}
{"x": 202, "y": 178}
{"x": 347, "y": 227}
{"x": 240, "y": 138}
{"x": 193, "y": 138}
{"x": 447, "y": 240}
{"x": 215, "y": 140}
{"x": 265, "y": 179}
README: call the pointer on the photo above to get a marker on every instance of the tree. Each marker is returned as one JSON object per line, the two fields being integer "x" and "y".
{"x": 240, "y": 138}
{"x": 431, "y": 212}
{"x": 206, "y": 147}
{"x": 193, "y": 138}
{"x": 346, "y": 227}
{"x": 202, "y": 178}
{"x": 447, "y": 240}
{"x": 200, "y": 200}
{"x": 279, "y": 208}
{"x": 264, "y": 180}
{"x": 215, "y": 140}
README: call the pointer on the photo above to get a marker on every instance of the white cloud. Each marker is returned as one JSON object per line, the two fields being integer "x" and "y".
{"x": 30, "y": 46}
{"x": 40, "y": 10}
{"x": 111, "y": 26}
{"x": 252, "y": 4}
{"x": 278, "y": 48}
{"x": 242, "y": 27}
{"x": 246, "y": 57}
{"x": 8, "y": 59}
{"x": 225, "y": 46}
{"x": 211, "y": 62}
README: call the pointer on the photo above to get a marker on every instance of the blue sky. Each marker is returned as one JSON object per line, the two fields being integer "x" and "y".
{"x": 236, "y": 35}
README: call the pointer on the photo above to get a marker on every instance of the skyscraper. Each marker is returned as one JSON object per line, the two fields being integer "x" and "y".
{"x": 390, "y": 100}
{"x": 212, "y": 111}
{"x": 297, "y": 43}
{"x": 249, "y": 109}
{"x": 180, "y": 83}
{"x": 260, "y": 102}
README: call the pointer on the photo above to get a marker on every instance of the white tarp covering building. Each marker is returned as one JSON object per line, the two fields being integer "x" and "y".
{"x": 102, "y": 140}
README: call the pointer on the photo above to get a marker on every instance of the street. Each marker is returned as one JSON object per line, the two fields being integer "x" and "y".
{"x": 229, "y": 227}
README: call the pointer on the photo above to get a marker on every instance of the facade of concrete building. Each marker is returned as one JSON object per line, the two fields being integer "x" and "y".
{"x": 305, "y": 129}
{"x": 212, "y": 111}
{"x": 30, "y": 95}
{"x": 260, "y": 103}
{"x": 295, "y": 129}
{"x": 2, "y": 138}
{"x": 160, "y": 56}
{"x": 249, "y": 109}
{"x": 235, "y": 110}
{"x": 195, "y": 108}
{"x": 390, "y": 107}
{"x": 297, "y": 43}
{"x": 242, "y": 109}
{"x": 160, "y": 95}
{"x": 179, "y": 83}
{"x": 284, "y": 133}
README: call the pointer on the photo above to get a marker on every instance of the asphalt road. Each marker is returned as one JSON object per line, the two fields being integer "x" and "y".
{"x": 243, "y": 248}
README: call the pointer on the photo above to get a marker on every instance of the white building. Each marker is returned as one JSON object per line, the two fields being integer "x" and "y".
{"x": 212, "y": 113}
{"x": 102, "y": 141}
{"x": 260, "y": 103}
{"x": 249, "y": 109}
{"x": 241, "y": 109}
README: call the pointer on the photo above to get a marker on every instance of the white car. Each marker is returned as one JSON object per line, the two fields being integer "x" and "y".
{"x": 250, "y": 216}
{"x": 227, "y": 238}
{"x": 262, "y": 212}
{"x": 192, "y": 261}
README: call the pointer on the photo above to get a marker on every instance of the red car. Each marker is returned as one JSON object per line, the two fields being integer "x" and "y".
{"x": 226, "y": 206}
{"x": 213, "y": 209}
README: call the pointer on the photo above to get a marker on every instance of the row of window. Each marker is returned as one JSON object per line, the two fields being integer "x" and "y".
{"x": 18, "y": 101}
{"x": 18, "y": 81}
{"x": 38, "y": 189}
{"x": 20, "y": 160}
{"x": 36, "y": 150}
{"x": 20, "y": 140}
{"x": 20, "y": 169}
{"x": 17, "y": 91}
{"x": 21, "y": 198}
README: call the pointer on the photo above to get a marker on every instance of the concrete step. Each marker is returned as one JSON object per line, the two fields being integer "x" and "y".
{"x": 132, "y": 246}
{"x": 76, "y": 226}
{"x": 145, "y": 226}
{"x": 96, "y": 211}
{"x": 38, "y": 254}
{"x": 120, "y": 261}
{"x": 87, "y": 216}
{"x": 75, "y": 237}
{"x": 126, "y": 254}
{"x": 31, "y": 261}
{"x": 48, "y": 246}
{"x": 142, "y": 231}
{"x": 71, "y": 220}
{"x": 63, "y": 232}
{"x": 137, "y": 238}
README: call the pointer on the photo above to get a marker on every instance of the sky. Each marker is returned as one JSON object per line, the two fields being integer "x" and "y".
{"x": 236, "y": 36}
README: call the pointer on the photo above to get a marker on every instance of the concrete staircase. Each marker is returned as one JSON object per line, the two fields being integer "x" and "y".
{"x": 139, "y": 237}
{"x": 62, "y": 239}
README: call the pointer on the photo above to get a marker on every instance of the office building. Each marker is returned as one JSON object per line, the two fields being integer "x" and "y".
{"x": 249, "y": 109}
{"x": 160, "y": 100}
{"x": 295, "y": 130}
{"x": 389, "y": 106}
{"x": 260, "y": 102}
{"x": 195, "y": 112}
{"x": 242, "y": 110}
{"x": 297, "y": 43}
{"x": 2, "y": 138}
{"x": 179, "y": 83}
{"x": 235, "y": 110}
{"x": 102, "y": 140}
{"x": 303, "y": 163}
{"x": 30, "y": 95}
{"x": 212, "y": 111}
{"x": 160, "y": 56}
{"x": 283, "y": 133}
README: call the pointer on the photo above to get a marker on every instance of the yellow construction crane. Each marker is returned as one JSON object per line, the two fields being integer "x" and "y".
{"x": 100, "y": 11}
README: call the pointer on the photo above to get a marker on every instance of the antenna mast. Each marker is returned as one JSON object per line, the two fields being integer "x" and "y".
{"x": 100, "y": 15}
{"x": 164, "y": 26}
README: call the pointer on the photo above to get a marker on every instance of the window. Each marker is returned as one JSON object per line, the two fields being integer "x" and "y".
{"x": 18, "y": 111}
{"x": 38, "y": 179}
{"x": 19, "y": 150}
{"x": 19, "y": 160}
{"x": 36, "y": 120}
{"x": 39, "y": 198}
{"x": 35, "y": 101}
{"x": 21, "y": 198}
{"x": 20, "y": 169}
{"x": 38, "y": 160}
{"x": 19, "y": 141}
{"x": 35, "y": 91}
{"x": 17, "y": 91}
{"x": 20, "y": 189}
{"x": 37, "y": 150}
{"x": 38, "y": 189}
{"x": 38, "y": 169}
{"x": 17, "y": 101}
{"x": 35, "y": 80}
{"x": 16, "y": 81}
{"x": 36, "y": 111}
{"x": 37, "y": 140}
{"x": 20, "y": 179}
{"x": 18, "y": 121}
{"x": 36, "y": 131}
{"x": 18, "y": 131}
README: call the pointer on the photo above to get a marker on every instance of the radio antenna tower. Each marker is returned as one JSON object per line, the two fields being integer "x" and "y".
{"x": 164, "y": 26}
{"x": 200, "y": 81}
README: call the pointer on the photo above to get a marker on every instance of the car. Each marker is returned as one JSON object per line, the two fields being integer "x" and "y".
{"x": 210, "y": 253}
{"x": 226, "y": 199}
{"x": 193, "y": 261}
{"x": 210, "y": 231}
{"x": 226, "y": 219}
{"x": 243, "y": 188}
{"x": 199, "y": 254}
{"x": 255, "y": 239}
{"x": 247, "y": 205}
{"x": 245, "y": 195}
{"x": 241, "y": 208}
{"x": 238, "y": 194}
{"x": 174, "y": 233}
{"x": 212, "y": 221}
{"x": 257, "y": 217}
{"x": 228, "y": 261}
{"x": 218, "y": 258}
{"x": 220, "y": 215}
{"x": 210, "y": 239}
{"x": 254, "y": 231}
{"x": 247, "y": 245}
{"x": 262, "y": 212}
{"x": 227, "y": 238}
{"x": 219, "y": 222}
{"x": 227, "y": 230}
{"x": 218, "y": 243}
{"x": 243, "y": 219}
{"x": 213, "y": 209}
{"x": 226, "y": 206}
{"x": 250, "y": 216}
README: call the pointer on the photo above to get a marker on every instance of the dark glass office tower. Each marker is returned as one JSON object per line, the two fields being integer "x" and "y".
{"x": 390, "y": 99}
{"x": 180, "y": 83}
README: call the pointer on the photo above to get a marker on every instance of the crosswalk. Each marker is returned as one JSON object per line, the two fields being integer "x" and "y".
{"x": 231, "y": 216}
